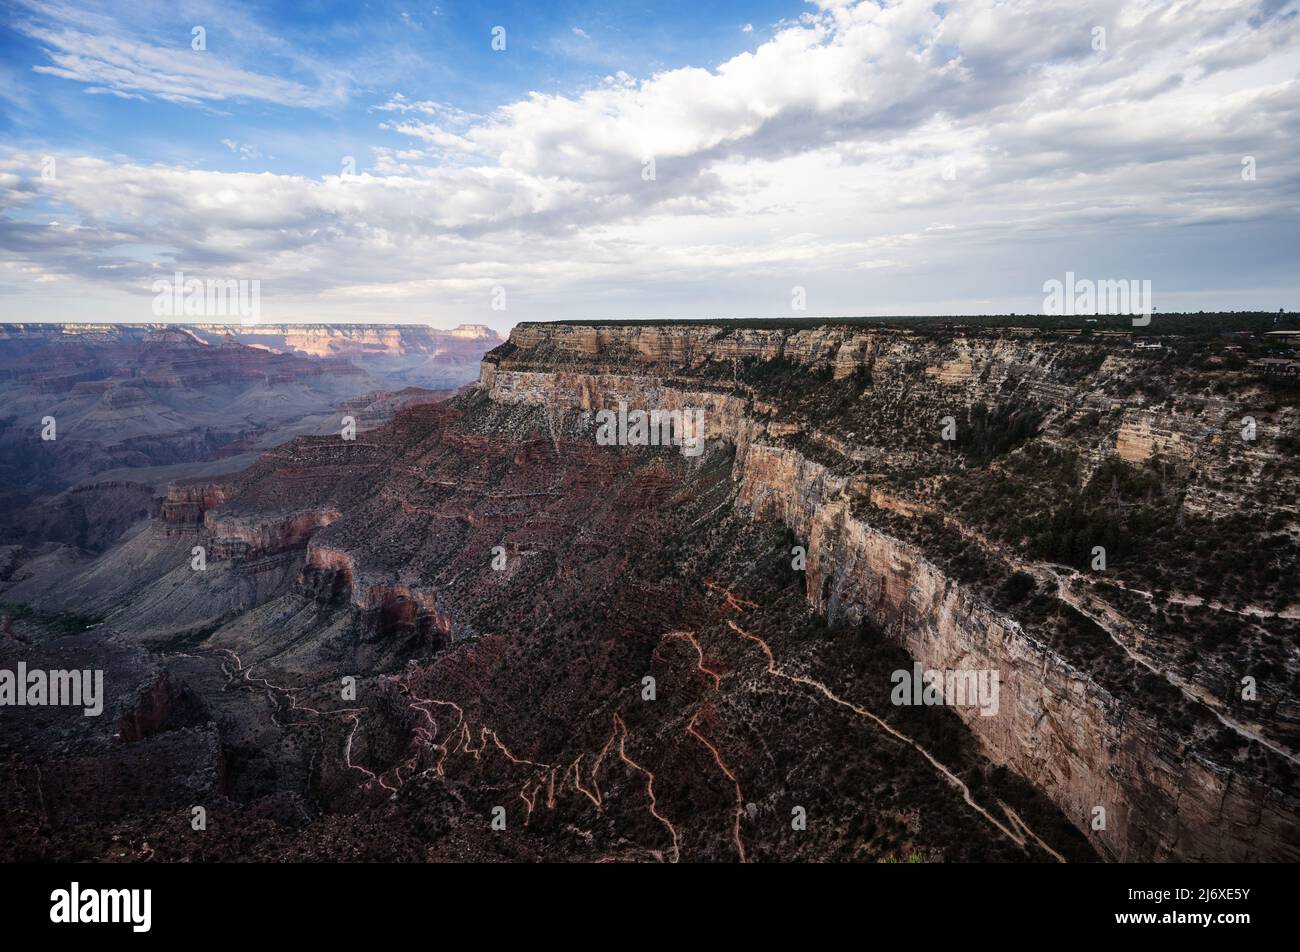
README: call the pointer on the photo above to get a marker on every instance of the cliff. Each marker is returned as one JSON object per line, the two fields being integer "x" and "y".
{"x": 837, "y": 432}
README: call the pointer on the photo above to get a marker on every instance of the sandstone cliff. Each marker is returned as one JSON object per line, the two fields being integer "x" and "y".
{"x": 1082, "y": 724}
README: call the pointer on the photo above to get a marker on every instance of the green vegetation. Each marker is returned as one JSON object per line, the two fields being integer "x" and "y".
{"x": 984, "y": 434}
{"x": 1120, "y": 509}
{"x": 1017, "y": 587}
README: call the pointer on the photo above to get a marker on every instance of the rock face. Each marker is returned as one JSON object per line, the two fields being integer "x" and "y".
{"x": 1058, "y": 728}
{"x": 1165, "y": 793}
{"x": 185, "y": 503}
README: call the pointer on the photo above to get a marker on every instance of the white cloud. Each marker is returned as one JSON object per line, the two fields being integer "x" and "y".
{"x": 137, "y": 58}
{"x": 869, "y": 152}
{"x": 244, "y": 150}
{"x": 135, "y": 70}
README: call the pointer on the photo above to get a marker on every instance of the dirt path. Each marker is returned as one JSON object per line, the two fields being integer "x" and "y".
{"x": 1106, "y": 617}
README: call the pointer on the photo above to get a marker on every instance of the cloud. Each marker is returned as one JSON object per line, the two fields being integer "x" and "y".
{"x": 139, "y": 58}
{"x": 135, "y": 70}
{"x": 581, "y": 33}
{"x": 901, "y": 144}
{"x": 244, "y": 150}
{"x": 443, "y": 112}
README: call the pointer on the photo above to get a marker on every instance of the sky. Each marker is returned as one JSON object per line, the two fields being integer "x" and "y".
{"x": 491, "y": 163}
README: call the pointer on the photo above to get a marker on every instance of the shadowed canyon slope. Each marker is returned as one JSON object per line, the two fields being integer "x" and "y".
{"x": 475, "y": 616}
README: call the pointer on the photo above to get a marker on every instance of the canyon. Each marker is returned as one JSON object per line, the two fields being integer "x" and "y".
{"x": 473, "y": 632}
{"x": 96, "y": 420}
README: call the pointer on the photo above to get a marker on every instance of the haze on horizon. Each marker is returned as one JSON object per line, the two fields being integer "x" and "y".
{"x": 653, "y": 161}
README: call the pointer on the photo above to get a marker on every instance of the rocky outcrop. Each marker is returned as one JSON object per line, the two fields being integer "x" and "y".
{"x": 185, "y": 504}
{"x": 160, "y": 705}
{"x": 246, "y": 538}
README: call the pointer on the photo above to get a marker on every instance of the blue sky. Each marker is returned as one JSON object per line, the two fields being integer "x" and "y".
{"x": 646, "y": 160}
{"x": 353, "y": 56}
